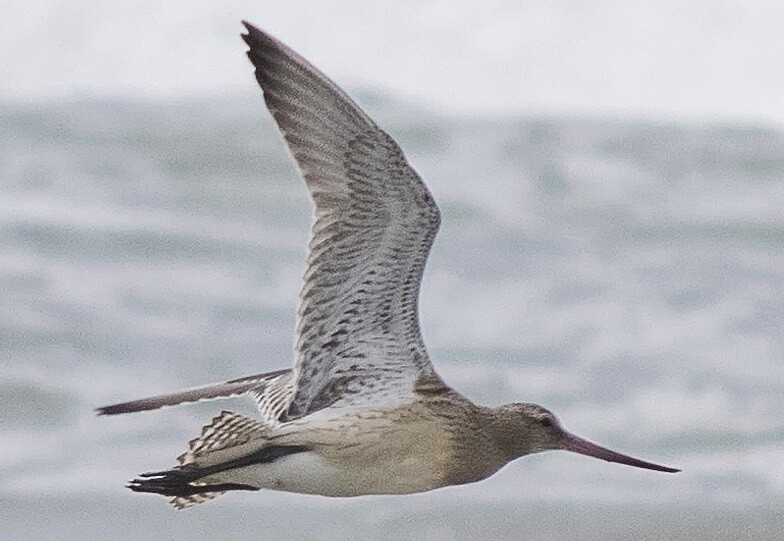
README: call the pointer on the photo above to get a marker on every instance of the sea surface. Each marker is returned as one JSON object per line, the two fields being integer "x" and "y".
{"x": 628, "y": 275}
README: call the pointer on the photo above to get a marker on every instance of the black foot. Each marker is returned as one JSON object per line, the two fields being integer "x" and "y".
{"x": 177, "y": 482}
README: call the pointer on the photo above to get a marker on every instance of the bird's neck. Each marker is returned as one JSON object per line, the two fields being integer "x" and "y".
{"x": 510, "y": 438}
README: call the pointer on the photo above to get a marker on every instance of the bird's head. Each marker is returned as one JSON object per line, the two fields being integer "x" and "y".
{"x": 522, "y": 429}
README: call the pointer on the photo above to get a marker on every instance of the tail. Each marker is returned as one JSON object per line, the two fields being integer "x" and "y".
{"x": 230, "y": 441}
{"x": 255, "y": 385}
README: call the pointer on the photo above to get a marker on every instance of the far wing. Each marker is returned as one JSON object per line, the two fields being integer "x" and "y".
{"x": 272, "y": 392}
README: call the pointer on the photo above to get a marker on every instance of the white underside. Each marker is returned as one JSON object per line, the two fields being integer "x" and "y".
{"x": 309, "y": 473}
{"x": 352, "y": 453}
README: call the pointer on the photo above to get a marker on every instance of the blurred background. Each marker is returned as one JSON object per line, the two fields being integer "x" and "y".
{"x": 611, "y": 178}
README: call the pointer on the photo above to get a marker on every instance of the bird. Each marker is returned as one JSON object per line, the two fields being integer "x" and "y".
{"x": 363, "y": 410}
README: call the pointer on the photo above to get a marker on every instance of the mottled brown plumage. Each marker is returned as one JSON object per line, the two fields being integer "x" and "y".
{"x": 363, "y": 411}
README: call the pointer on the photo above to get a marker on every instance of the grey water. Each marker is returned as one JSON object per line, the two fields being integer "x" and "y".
{"x": 627, "y": 274}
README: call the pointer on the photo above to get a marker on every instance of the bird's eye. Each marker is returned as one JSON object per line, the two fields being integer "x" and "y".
{"x": 546, "y": 422}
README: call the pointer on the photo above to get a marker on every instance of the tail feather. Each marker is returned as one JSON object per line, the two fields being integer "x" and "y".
{"x": 226, "y": 431}
{"x": 184, "y": 502}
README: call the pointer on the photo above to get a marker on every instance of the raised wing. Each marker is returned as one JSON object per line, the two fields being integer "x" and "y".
{"x": 358, "y": 333}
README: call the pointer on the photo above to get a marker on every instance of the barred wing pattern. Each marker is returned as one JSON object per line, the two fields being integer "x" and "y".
{"x": 375, "y": 222}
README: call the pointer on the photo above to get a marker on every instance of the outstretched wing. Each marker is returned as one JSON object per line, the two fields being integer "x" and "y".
{"x": 375, "y": 221}
{"x": 272, "y": 392}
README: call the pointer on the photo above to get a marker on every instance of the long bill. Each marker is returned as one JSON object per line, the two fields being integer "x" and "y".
{"x": 584, "y": 447}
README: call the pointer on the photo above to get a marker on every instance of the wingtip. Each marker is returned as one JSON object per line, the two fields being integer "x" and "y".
{"x": 114, "y": 409}
{"x": 249, "y": 28}
{"x": 105, "y": 410}
{"x": 253, "y": 31}
{"x": 256, "y": 37}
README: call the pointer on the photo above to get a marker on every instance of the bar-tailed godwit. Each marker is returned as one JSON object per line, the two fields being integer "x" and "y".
{"x": 363, "y": 411}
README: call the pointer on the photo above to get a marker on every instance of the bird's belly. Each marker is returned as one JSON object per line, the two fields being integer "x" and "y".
{"x": 310, "y": 473}
{"x": 354, "y": 454}
{"x": 368, "y": 453}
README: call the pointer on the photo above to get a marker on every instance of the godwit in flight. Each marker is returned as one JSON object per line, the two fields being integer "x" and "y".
{"x": 363, "y": 411}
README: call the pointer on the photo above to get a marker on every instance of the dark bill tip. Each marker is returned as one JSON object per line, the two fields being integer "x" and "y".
{"x": 584, "y": 447}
